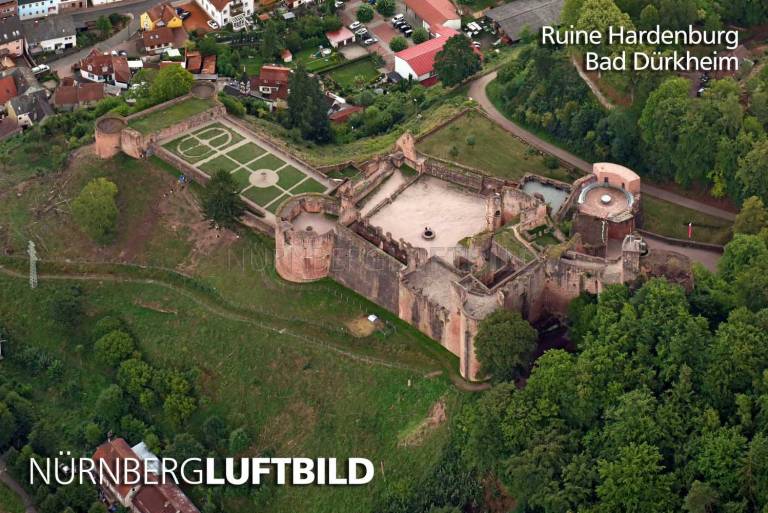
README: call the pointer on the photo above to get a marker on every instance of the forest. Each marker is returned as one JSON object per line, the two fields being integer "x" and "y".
{"x": 663, "y": 407}
{"x": 660, "y": 129}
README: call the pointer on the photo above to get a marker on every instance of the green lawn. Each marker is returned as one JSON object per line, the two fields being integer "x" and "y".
{"x": 220, "y": 163}
{"x": 274, "y": 206}
{"x": 672, "y": 220}
{"x": 268, "y": 161}
{"x": 290, "y": 176}
{"x": 495, "y": 151}
{"x": 308, "y": 185}
{"x": 247, "y": 152}
{"x": 242, "y": 177}
{"x": 170, "y": 116}
{"x": 506, "y": 239}
{"x": 346, "y": 75}
{"x": 9, "y": 501}
{"x": 262, "y": 195}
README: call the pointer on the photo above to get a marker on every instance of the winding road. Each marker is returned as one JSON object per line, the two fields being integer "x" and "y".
{"x": 477, "y": 92}
{"x": 15, "y": 487}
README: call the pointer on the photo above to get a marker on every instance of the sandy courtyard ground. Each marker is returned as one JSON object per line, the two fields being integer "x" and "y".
{"x": 450, "y": 212}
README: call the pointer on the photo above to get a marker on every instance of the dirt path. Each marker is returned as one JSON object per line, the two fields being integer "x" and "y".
{"x": 16, "y": 488}
{"x": 228, "y": 312}
{"x": 478, "y": 93}
{"x": 605, "y": 102}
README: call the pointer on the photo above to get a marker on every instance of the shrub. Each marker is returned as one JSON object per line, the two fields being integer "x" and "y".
{"x": 420, "y": 35}
{"x": 471, "y": 140}
{"x": 398, "y": 43}
{"x": 114, "y": 347}
{"x": 551, "y": 162}
{"x": 364, "y": 13}
{"x": 386, "y": 7}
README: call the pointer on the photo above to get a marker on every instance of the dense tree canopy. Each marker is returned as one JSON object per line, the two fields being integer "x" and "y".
{"x": 221, "y": 199}
{"x": 456, "y": 61}
{"x": 504, "y": 345}
{"x": 307, "y": 108}
{"x": 171, "y": 82}
{"x": 95, "y": 209}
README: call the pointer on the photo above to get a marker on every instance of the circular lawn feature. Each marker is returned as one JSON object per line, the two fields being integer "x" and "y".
{"x": 263, "y": 178}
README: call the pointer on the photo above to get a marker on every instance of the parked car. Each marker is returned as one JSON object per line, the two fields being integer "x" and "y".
{"x": 183, "y": 13}
{"x": 338, "y": 3}
{"x": 370, "y": 41}
{"x": 122, "y": 53}
{"x": 476, "y": 44}
{"x": 408, "y": 32}
{"x": 397, "y": 17}
{"x": 42, "y": 68}
{"x": 361, "y": 32}
{"x": 399, "y": 23}
{"x": 404, "y": 27}
{"x": 355, "y": 25}
{"x": 213, "y": 24}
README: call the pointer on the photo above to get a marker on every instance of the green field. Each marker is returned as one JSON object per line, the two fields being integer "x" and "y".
{"x": 166, "y": 117}
{"x": 495, "y": 151}
{"x": 347, "y": 75}
{"x": 672, "y": 220}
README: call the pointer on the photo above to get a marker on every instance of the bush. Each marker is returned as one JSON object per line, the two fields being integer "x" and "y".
{"x": 471, "y": 140}
{"x": 398, "y": 43}
{"x": 420, "y": 35}
{"x": 364, "y": 13}
{"x": 232, "y": 105}
{"x": 114, "y": 347}
{"x": 386, "y": 7}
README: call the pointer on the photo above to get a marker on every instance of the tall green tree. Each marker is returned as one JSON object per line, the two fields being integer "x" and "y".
{"x": 504, "y": 345}
{"x": 456, "y": 61}
{"x": 95, "y": 209}
{"x": 221, "y": 199}
{"x": 307, "y": 108}
{"x": 171, "y": 82}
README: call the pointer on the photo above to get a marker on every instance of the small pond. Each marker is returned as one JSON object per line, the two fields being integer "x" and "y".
{"x": 552, "y": 195}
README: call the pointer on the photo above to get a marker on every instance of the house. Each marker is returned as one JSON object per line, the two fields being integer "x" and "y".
{"x": 201, "y": 67}
{"x": 222, "y": 11}
{"x": 138, "y": 498}
{"x": 341, "y": 37}
{"x": 418, "y": 62}
{"x": 8, "y": 127}
{"x": 8, "y": 90}
{"x": 293, "y": 4}
{"x": 68, "y": 5}
{"x": 28, "y": 109}
{"x": 158, "y": 40}
{"x": 433, "y": 15}
{"x": 11, "y": 37}
{"x": 162, "y": 15}
{"x": 513, "y": 18}
{"x": 50, "y": 34}
{"x": 8, "y": 8}
{"x": 30, "y": 9}
{"x": 103, "y": 67}
{"x": 271, "y": 85}
{"x": 71, "y": 95}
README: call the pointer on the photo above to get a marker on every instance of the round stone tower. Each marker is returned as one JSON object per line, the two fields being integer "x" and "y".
{"x": 107, "y": 135}
{"x": 305, "y": 236}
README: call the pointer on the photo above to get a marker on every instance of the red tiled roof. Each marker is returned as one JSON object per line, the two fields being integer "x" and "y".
{"x": 209, "y": 65}
{"x": 110, "y": 451}
{"x": 434, "y": 12}
{"x": 159, "y": 37}
{"x": 106, "y": 64}
{"x": 342, "y": 115}
{"x": 7, "y": 89}
{"x": 194, "y": 62}
{"x": 338, "y": 36}
{"x": 161, "y": 12}
{"x": 277, "y": 74}
{"x": 421, "y": 57}
{"x": 162, "y": 498}
{"x": 8, "y": 126}
{"x": 122, "y": 71}
{"x": 220, "y": 4}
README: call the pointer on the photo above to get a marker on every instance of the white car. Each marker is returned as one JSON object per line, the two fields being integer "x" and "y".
{"x": 213, "y": 24}
{"x": 355, "y": 25}
{"x": 397, "y": 17}
{"x": 370, "y": 41}
{"x": 361, "y": 32}
{"x": 338, "y": 4}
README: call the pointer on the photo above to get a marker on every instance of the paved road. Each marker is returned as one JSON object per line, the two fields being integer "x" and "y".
{"x": 707, "y": 258}
{"x": 135, "y": 7}
{"x": 63, "y": 66}
{"x": 15, "y": 487}
{"x": 477, "y": 92}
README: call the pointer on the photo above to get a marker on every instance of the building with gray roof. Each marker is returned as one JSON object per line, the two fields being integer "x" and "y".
{"x": 512, "y": 18}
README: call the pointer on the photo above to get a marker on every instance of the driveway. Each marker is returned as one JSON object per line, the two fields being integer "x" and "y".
{"x": 477, "y": 92}
{"x": 379, "y": 26}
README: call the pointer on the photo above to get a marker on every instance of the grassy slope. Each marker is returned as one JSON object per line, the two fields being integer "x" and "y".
{"x": 172, "y": 115}
{"x": 672, "y": 220}
{"x": 496, "y": 151}
{"x": 298, "y": 398}
{"x": 345, "y": 75}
